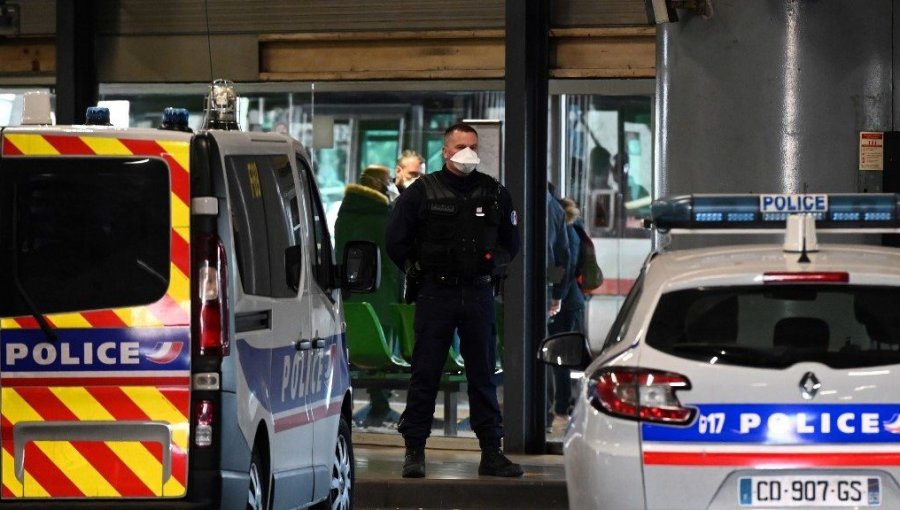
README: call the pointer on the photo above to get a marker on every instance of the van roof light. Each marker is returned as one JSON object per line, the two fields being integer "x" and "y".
{"x": 97, "y": 116}
{"x": 175, "y": 119}
{"x": 36, "y": 108}
{"x": 221, "y": 106}
{"x": 847, "y": 212}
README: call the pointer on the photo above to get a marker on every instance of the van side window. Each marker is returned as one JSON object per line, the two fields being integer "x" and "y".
{"x": 323, "y": 265}
{"x": 264, "y": 209}
{"x": 287, "y": 190}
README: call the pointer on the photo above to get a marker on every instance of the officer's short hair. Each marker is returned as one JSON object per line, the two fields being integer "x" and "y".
{"x": 460, "y": 126}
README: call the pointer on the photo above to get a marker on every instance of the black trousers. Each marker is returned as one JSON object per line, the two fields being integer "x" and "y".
{"x": 442, "y": 309}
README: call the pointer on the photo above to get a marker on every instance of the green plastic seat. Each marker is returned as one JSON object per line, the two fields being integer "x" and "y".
{"x": 404, "y": 320}
{"x": 369, "y": 350}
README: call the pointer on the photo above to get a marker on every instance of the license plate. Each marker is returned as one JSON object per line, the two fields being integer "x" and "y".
{"x": 809, "y": 491}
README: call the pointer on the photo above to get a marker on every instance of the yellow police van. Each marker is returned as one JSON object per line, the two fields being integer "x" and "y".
{"x": 171, "y": 332}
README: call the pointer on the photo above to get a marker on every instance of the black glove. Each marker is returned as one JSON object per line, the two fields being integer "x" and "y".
{"x": 412, "y": 283}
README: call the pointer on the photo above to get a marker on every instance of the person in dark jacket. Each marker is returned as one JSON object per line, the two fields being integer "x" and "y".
{"x": 569, "y": 318}
{"x": 363, "y": 216}
{"x": 457, "y": 227}
{"x": 557, "y": 250}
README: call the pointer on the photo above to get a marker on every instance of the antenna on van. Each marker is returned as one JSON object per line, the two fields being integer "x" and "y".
{"x": 208, "y": 42}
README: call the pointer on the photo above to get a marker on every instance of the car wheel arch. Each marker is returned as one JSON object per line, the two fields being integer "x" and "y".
{"x": 261, "y": 456}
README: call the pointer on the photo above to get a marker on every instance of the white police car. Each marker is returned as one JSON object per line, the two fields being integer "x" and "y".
{"x": 749, "y": 376}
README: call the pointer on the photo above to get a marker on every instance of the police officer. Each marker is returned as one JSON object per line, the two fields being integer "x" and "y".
{"x": 457, "y": 228}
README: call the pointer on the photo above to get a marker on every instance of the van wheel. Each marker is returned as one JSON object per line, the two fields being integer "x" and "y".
{"x": 340, "y": 495}
{"x": 258, "y": 492}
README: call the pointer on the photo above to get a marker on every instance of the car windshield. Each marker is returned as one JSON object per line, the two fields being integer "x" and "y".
{"x": 82, "y": 233}
{"x": 777, "y": 326}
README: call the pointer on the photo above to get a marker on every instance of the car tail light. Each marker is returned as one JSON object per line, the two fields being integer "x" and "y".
{"x": 210, "y": 320}
{"x": 204, "y": 418}
{"x": 807, "y": 277}
{"x": 641, "y": 394}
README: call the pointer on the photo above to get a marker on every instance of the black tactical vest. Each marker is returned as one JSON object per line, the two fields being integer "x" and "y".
{"x": 458, "y": 233}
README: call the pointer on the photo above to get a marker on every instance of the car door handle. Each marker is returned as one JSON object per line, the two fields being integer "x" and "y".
{"x": 318, "y": 343}
{"x": 303, "y": 345}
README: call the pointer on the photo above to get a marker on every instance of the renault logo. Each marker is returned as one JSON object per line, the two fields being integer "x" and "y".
{"x": 809, "y": 385}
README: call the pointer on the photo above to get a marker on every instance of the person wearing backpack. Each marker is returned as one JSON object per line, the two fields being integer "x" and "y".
{"x": 570, "y": 316}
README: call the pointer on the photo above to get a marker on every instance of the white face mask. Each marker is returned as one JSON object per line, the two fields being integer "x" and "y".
{"x": 392, "y": 191}
{"x": 408, "y": 182}
{"x": 465, "y": 160}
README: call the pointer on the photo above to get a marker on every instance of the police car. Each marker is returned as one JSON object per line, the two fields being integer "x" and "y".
{"x": 746, "y": 376}
{"x": 172, "y": 332}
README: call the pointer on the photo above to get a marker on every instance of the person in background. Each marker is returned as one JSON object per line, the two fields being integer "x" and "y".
{"x": 410, "y": 166}
{"x": 558, "y": 258}
{"x": 557, "y": 249}
{"x": 569, "y": 318}
{"x": 458, "y": 228}
{"x": 602, "y": 174}
{"x": 363, "y": 216}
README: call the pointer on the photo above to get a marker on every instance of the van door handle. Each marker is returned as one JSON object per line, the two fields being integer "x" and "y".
{"x": 253, "y": 321}
{"x": 318, "y": 343}
{"x": 303, "y": 345}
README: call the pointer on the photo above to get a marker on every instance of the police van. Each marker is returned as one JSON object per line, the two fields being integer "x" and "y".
{"x": 172, "y": 332}
{"x": 747, "y": 376}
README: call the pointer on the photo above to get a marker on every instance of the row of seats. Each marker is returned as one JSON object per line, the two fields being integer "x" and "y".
{"x": 372, "y": 351}
{"x": 377, "y": 361}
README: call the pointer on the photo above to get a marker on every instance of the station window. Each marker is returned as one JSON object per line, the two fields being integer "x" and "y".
{"x": 601, "y": 154}
{"x": 364, "y": 126}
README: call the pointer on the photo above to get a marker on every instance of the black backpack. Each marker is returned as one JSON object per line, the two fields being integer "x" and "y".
{"x": 589, "y": 275}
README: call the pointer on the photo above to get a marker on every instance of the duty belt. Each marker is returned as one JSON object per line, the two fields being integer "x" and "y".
{"x": 458, "y": 280}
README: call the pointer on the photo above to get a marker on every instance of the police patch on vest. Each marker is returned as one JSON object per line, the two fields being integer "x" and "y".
{"x": 442, "y": 208}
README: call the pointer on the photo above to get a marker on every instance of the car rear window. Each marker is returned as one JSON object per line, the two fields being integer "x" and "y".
{"x": 777, "y": 326}
{"x": 82, "y": 234}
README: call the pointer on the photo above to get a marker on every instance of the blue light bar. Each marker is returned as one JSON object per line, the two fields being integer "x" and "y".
{"x": 97, "y": 116}
{"x": 837, "y": 211}
{"x": 175, "y": 119}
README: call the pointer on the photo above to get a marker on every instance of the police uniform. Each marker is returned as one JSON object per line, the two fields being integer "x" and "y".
{"x": 462, "y": 232}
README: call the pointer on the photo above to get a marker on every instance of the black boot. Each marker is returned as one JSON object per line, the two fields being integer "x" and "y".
{"x": 414, "y": 462}
{"x": 494, "y": 463}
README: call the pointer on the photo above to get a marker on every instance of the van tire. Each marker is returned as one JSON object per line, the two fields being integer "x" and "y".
{"x": 258, "y": 490}
{"x": 343, "y": 472}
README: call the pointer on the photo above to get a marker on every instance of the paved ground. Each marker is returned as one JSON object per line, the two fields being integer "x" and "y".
{"x": 452, "y": 480}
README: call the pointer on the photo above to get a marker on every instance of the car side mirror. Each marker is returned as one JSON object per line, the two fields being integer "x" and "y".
{"x": 565, "y": 350}
{"x": 361, "y": 267}
{"x": 293, "y": 258}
